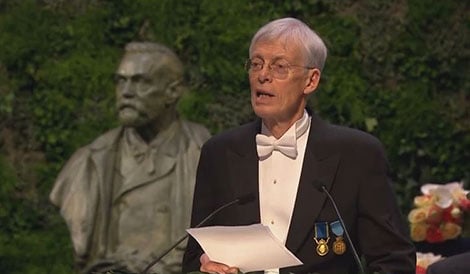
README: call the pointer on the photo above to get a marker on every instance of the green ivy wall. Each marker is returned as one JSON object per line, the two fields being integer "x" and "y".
{"x": 397, "y": 69}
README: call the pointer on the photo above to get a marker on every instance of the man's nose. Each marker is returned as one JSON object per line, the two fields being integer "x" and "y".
{"x": 127, "y": 88}
{"x": 265, "y": 74}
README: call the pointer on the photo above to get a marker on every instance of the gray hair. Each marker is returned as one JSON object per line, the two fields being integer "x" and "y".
{"x": 292, "y": 30}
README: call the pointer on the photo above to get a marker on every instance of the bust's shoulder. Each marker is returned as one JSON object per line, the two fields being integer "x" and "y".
{"x": 104, "y": 141}
{"x": 196, "y": 132}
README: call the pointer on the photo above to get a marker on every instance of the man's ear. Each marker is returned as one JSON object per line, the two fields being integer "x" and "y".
{"x": 312, "y": 81}
{"x": 174, "y": 91}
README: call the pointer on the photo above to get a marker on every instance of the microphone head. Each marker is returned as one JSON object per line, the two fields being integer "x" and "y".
{"x": 247, "y": 198}
{"x": 468, "y": 195}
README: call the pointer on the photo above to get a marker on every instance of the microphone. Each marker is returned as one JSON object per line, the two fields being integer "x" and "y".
{"x": 468, "y": 195}
{"x": 241, "y": 200}
{"x": 322, "y": 188}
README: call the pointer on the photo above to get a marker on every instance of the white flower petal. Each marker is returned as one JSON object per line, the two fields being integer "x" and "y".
{"x": 426, "y": 188}
{"x": 443, "y": 197}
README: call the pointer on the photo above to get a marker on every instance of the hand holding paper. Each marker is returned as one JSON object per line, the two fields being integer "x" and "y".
{"x": 250, "y": 248}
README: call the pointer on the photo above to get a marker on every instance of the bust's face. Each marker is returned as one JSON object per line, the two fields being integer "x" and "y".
{"x": 141, "y": 83}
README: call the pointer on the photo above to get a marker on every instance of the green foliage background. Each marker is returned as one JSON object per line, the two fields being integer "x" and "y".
{"x": 397, "y": 69}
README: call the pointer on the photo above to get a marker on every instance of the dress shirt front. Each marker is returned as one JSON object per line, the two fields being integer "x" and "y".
{"x": 279, "y": 177}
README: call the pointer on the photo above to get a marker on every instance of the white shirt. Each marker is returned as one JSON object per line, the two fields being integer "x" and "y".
{"x": 279, "y": 178}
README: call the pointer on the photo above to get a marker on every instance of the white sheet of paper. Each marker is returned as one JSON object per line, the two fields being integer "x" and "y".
{"x": 250, "y": 248}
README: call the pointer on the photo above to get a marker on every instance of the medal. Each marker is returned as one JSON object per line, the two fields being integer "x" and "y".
{"x": 321, "y": 238}
{"x": 322, "y": 246}
{"x": 339, "y": 246}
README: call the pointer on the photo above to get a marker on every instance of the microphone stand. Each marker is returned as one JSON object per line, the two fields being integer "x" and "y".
{"x": 156, "y": 260}
{"x": 356, "y": 256}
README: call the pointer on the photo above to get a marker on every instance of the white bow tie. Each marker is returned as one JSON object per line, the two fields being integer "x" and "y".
{"x": 265, "y": 145}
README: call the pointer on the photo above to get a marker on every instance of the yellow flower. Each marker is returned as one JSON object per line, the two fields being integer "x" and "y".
{"x": 450, "y": 230}
{"x": 418, "y": 231}
{"x": 456, "y": 212}
{"x": 439, "y": 212}
{"x": 423, "y": 200}
{"x": 417, "y": 215}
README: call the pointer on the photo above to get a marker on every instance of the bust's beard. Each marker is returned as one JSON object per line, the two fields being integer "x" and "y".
{"x": 132, "y": 118}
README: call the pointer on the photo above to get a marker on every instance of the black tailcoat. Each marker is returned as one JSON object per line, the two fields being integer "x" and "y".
{"x": 353, "y": 167}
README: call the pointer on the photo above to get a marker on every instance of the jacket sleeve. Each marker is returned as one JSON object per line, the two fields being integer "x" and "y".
{"x": 202, "y": 206}
{"x": 383, "y": 236}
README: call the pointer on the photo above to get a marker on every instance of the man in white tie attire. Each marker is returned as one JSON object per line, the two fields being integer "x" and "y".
{"x": 285, "y": 156}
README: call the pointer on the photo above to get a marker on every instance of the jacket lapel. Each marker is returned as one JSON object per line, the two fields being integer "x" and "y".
{"x": 245, "y": 169}
{"x": 319, "y": 168}
{"x": 103, "y": 155}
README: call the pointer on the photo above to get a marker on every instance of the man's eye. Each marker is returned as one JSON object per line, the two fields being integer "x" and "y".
{"x": 256, "y": 65}
{"x": 280, "y": 68}
{"x": 119, "y": 80}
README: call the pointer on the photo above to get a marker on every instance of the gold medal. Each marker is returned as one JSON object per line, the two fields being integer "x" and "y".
{"x": 322, "y": 246}
{"x": 339, "y": 247}
{"x": 322, "y": 237}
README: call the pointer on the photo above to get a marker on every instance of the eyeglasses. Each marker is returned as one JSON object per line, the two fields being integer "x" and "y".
{"x": 279, "y": 68}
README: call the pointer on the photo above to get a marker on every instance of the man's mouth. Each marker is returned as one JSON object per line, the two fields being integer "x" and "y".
{"x": 124, "y": 106}
{"x": 263, "y": 94}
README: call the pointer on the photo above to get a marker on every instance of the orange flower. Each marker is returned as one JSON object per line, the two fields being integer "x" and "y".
{"x": 418, "y": 215}
{"x": 418, "y": 232}
{"x": 439, "y": 212}
{"x": 450, "y": 230}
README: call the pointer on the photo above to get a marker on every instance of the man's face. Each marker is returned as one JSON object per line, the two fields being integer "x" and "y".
{"x": 280, "y": 98}
{"x": 140, "y": 89}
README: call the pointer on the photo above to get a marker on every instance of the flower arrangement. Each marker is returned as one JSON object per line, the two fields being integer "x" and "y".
{"x": 438, "y": 213}
{"x": 423, "y": 260}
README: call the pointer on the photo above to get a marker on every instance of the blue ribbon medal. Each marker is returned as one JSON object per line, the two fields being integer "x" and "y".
{"x": 321, "y": 238}
{"x": 339, "y": 246}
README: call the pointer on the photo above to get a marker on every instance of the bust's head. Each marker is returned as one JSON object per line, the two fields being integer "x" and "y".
{"x": 148, "y": 84}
